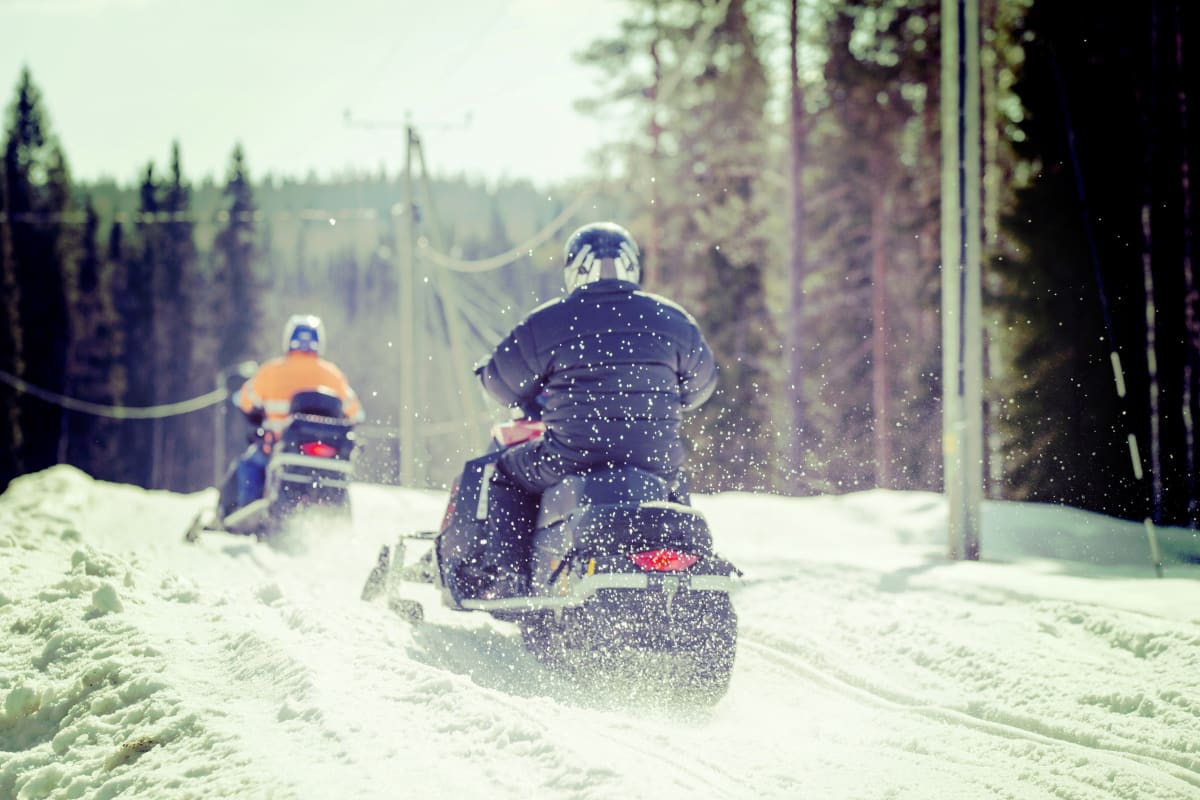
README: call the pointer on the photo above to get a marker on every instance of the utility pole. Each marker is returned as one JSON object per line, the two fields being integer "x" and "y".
{"x": 406, "y": 282}
{"x": 962, "y": 334}
{"x": 411, "y": 327}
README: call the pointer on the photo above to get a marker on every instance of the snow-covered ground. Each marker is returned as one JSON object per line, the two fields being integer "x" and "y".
{"x": 134, "y": 665}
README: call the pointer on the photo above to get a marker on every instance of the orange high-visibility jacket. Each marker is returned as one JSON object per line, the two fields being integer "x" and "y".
{"x": 270, "y": 390}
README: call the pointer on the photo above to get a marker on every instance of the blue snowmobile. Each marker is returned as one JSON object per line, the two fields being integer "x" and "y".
{"x": 621, "y": 568}
{"x": 310, "y": 467}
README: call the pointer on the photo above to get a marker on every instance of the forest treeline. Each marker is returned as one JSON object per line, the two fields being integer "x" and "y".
{"x": 780, "y": 164}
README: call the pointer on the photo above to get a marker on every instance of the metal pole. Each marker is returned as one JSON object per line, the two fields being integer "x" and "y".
{"x": 972, "y": 305}
{"x": 952, "y": 424}
{"x": 962, "y": 338}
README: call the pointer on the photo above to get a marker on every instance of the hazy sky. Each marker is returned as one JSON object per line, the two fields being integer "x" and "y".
{"x": 489, "y": 84}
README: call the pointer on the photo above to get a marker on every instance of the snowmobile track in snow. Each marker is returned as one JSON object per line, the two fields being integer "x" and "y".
{"x": 790, "y": 659}
{"x": 709, "y": 779}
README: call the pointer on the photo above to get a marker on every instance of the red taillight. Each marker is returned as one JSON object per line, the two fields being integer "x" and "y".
{"x": 663, "y": 560}
{"x": 318, "y": 449}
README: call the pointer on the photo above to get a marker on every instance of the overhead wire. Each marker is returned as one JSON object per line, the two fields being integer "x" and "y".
{"x": 513, "y": 254}
{"x": 329, "y": 216}
{"x": 445, "y": 291}
{"x": 115, "y": 411}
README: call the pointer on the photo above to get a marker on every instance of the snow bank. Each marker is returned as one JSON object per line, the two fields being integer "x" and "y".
{"x": 133, "y": 664}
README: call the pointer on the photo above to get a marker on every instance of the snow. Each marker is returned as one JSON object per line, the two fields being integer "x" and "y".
{"x": 133, "y": 664}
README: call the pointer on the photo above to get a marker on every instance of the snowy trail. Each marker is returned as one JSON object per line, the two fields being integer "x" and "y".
{"x": 1008, "y": 689}
{"x": 138, "y": 665}
{"x": 1130, "y": 758}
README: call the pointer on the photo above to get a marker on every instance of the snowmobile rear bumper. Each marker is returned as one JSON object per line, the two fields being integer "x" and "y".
{"x": 582, "y": 589}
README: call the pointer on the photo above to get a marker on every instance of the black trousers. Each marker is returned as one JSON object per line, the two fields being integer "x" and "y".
{"x": 497, "y": 561}
{"x": 511, "y": 518}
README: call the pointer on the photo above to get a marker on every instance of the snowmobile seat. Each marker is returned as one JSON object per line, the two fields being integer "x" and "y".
{"x": 607, "y": 486}
{"x": 319, "y": 402}
{"x": 317, "y": 415}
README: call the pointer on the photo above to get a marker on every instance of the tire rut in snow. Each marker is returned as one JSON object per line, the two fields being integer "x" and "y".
{"x": 1183, "y": 769}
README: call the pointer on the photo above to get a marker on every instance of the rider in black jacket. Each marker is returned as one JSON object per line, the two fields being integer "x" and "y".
{"x": 609, "y": 369}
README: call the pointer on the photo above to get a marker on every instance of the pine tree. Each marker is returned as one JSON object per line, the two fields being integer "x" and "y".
{"x": 794, "y": 327}
{"x": 129, "y": 464}
{"x": 872, "y": 292}
{"x": 722, "y": 147}
{"x": 235, "y": 293}
{"x": 96, "y": 373}
{"x": 10, "y": 345}
{"x": 177, "y": 287}
{"x": 1112, "y": 85}
{"x": 238, "y": 289}
{"x": 703, "y": 224}
{"x": 1080, "y": 226}
{"x": 135, "y": 295}
{"x": 38, "y": 196}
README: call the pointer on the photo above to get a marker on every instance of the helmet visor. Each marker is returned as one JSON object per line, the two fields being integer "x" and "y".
{"x": 588, "y": 266}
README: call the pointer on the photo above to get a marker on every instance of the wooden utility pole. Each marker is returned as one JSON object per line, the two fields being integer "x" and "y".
{"x": 962, "y": 350}
{"x": 406, "y": 284}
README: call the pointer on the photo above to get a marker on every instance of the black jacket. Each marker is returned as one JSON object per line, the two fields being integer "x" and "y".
{"x": 610, "y": 368}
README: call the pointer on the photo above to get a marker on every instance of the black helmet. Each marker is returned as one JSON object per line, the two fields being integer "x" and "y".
{"x": 600, "y": 250}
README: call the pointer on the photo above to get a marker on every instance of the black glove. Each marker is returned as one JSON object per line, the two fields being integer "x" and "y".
{"x": 531, "y": 410}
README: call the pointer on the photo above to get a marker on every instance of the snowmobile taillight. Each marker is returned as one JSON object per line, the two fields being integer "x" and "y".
{"x": 663, "y": 560}
{"x": 318, "y": 449}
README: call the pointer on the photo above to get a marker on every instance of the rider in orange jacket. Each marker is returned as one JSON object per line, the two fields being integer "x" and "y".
{"x": 266, "y": 397}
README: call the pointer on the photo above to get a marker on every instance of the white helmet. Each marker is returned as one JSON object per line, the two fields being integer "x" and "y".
{"x": 599, "y": 251}
{"x": 304, "y": 332}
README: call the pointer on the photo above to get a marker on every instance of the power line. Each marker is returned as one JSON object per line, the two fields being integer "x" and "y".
{"x": 330, "y": 216}
{"x": 512, "y": 255}
{"x": 115, "y": 411}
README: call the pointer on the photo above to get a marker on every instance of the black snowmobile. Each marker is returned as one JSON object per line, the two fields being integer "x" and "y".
{"x": 621, "y": 574}
{"x": 310, "y": 467}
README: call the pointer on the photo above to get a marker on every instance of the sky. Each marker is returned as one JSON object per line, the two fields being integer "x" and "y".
{"x": 135, "y": 665}
{"x": 312, "y": 85}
